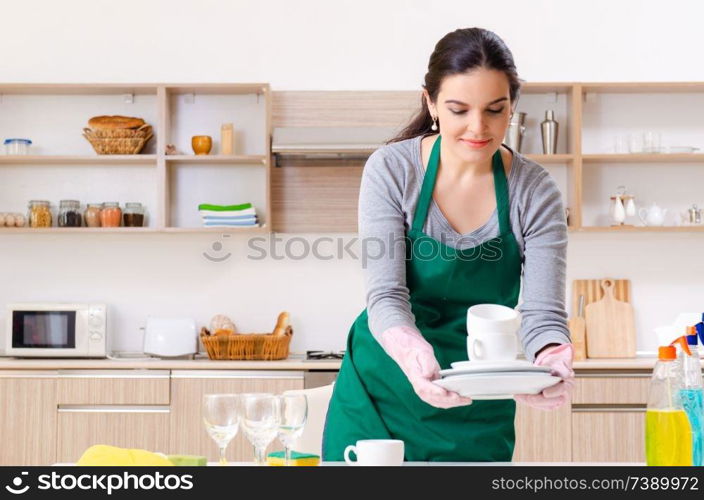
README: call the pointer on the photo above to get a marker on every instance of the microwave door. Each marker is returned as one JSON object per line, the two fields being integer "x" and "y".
{"x": 41, "y": 332}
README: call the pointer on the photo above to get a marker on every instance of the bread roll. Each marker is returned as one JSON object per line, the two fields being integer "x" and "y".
{"x": 222, "y": 322}
{"x": 105, "y": 122}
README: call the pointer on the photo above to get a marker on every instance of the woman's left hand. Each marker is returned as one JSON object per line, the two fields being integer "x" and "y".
{"x": 559, "y": 359}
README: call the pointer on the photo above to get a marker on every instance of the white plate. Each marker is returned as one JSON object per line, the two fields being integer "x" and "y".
{"x": 496, "y": 387}
{"x": 497, "y": 366}
{"x": 528, "y": 373}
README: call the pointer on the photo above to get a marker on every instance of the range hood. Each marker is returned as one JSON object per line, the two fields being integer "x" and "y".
{"x": 329, "y": 141}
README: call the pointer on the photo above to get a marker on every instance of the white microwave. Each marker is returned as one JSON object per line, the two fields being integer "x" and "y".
{"x": 56, "y": 330}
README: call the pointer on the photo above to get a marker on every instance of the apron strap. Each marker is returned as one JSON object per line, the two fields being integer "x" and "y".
{"x": 501, "y": 189}
{"x": 426, "y": 191}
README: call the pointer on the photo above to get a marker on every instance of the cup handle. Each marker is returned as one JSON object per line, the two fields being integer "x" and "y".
{"x": 350, "y": 448}
{"x": 477, "y": 354}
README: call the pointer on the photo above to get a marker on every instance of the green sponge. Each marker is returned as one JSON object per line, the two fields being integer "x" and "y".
{"x": 277, "y": 458}
{"x": 187, "y": 460}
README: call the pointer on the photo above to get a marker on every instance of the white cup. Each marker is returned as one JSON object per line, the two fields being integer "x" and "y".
{"x": 491, "y": 332}
{"x": 376, "y": 452}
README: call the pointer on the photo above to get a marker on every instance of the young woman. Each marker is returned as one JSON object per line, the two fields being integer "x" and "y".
{"x": 458, "y": 219}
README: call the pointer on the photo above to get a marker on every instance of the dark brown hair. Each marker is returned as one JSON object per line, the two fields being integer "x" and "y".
{"x": 459, "y": 52}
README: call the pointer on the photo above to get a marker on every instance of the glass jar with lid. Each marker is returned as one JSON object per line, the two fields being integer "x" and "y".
{"x": 69, "y": 213}
{"x": 111, "y": 214}
{"x": 133, "y": 215}
{"x": 92, "y": 214}
{"x": 39, "y": 214}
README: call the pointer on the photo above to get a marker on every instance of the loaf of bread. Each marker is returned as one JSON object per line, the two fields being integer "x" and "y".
{"x": 105, "y": 122}
{"x": 281, "y": 324}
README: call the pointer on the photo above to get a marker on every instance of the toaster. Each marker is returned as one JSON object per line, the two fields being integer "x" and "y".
{"x": 170, "y": 337}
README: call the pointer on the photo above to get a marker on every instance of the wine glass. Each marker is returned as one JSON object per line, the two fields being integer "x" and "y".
{"x": 294, "y": 413}
{"x": 221, "y": 418}
{"x": 260, "y": 421}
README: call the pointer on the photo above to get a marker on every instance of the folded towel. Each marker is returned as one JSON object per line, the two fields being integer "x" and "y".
{"x": 224, "y": 208}
{"x": 211, "y": 218}
{"x": 227, "y": 213}
{"x": 229, "y": 224}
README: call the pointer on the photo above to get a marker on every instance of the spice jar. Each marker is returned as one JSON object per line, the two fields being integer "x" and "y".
{"x": 111, "y": 214}
{"x": 133, "y": 216}
{"x": 92, "y": 214}
{"x": 69, "y": 214}
{"x": 39, "y": 214}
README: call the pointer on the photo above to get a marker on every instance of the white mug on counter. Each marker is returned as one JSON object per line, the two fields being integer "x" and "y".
{"x": 376, "y": 452}
{"x": 491, "y": 332}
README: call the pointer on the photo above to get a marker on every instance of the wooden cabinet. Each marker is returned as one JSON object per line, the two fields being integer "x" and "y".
{"x": 27, "y": 418}
{"x": 126, "y": 408}
{"x": 608, "y": 417}
{"x": 145, "y": 427}
{"x": 543, "y": 436}
{"x": 113, "y": 387}
{"x": 187, "y": 432}
{"x": 615, "y": 435}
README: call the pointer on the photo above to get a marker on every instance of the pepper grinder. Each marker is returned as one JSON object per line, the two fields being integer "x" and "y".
{"x": 548, "y": 129}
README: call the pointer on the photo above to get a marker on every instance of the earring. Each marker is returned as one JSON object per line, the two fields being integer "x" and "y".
{"x": 434, "y": 127}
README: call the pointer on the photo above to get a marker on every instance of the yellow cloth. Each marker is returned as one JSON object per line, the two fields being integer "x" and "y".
{"x": 101, "y": 454}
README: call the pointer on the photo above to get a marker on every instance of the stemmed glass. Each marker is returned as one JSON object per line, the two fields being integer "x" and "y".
{"x": 260, "y": 421}
{"x": 221, "y": 417}
{"x": 294, "y": 413}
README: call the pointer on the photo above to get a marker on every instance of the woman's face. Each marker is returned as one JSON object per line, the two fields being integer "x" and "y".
{"x": 473, "y": 111}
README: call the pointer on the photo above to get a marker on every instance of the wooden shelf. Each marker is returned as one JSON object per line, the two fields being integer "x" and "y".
{"x": 218, "y": 159}
{"x": 128, "y": 230}
{"x": 73, "y": 230}
{"x": 76, "y": 159}
{"x": 237, "y": 230}
{"x": 558, "y": 158}
{"x": 638, "y": 229}
{"x": 644, "y": 87}
{"x": 644, "y": 158}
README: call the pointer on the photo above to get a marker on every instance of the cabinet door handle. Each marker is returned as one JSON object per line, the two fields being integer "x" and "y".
{"x": 608, "y": 409}
{"x": 112, "y": 409}
{"x": 236, "y": 374}
{"x": 131, "y": 374}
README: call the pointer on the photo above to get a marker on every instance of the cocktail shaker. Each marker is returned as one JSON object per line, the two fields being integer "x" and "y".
{"x": 516, "y": 129}
{"x": 548, "y": 129}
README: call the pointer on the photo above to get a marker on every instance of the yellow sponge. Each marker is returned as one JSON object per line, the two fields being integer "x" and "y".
{"x": 101, "y": 454}
{"x": 304, "y": 459}
{"x": 188, "y": 460}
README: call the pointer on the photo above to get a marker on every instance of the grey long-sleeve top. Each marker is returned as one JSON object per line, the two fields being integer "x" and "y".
{"x": 391, "y": 182}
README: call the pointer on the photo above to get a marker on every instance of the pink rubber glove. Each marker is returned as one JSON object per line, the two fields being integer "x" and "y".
{"x": 559, "y": 359}
{"x": 417, "y": 360}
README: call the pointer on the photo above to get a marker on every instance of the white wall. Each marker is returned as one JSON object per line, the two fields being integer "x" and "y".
{"x": 324, "y": 45}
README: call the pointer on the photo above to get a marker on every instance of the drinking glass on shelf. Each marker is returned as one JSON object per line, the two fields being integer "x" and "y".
{"x": 260, "y": 421}
{"x": 294, "y": 413}
{"x": 221, "y": 416}
{"x": 651, "y": 142}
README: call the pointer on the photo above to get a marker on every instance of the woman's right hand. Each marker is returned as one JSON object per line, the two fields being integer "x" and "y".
{"x": 416, "y": 358}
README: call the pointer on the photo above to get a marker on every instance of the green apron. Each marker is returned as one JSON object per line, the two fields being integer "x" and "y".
{"x": 373, "y": 399}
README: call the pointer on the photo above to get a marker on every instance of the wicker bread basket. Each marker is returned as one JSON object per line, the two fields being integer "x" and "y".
{"x": 252, "y": 346}
{"x": 123, "y": 141}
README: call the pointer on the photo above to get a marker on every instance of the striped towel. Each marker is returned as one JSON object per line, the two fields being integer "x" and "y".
{"x": 230, "y": 224}
{"x": 231, "y": 213}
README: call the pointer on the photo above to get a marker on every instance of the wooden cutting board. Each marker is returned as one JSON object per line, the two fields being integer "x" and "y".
{"x": 591, "y": 289}
{"x": 611, "y": 331}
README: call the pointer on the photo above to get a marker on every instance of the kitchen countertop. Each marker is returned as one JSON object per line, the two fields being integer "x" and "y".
{"x": 293, "y": 362}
